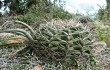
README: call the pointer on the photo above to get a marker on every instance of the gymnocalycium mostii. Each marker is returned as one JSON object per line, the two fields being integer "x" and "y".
{"x": 70, "y": 45}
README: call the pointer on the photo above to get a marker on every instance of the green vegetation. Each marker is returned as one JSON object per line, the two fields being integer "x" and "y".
{"x": 102, "y": 14}
{"x": 60, "y": 13}
{"x": 85, "y": 19}
{"x": 2, "y": 41}
{"x": 38, "y": 10}
{"x": 36, "y": 16}
{"x": 103, "y": 28}
{"x": 103, "y": 32}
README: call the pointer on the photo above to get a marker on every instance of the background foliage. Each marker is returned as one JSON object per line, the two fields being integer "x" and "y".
{"x": 33, "y": 10}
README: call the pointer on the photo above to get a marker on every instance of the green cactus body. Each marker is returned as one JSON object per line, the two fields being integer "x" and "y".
{"x": 67, "y": 41}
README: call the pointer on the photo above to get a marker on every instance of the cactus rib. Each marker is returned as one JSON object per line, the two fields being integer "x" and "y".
{"x": 24, "y": 24}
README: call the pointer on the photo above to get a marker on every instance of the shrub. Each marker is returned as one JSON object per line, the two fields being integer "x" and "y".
{"x": 85, "y": 19}
{"x": 103, "y": 32}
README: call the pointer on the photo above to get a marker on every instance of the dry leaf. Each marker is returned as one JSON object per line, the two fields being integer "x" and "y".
{"x": 16, "y": 40}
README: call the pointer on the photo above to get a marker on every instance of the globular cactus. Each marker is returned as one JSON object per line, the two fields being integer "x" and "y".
{"x": 71, "y": 44}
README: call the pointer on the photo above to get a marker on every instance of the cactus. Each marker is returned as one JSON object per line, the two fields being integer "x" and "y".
{"x": 70, "y": 45}
{"x": 65, "y": 45}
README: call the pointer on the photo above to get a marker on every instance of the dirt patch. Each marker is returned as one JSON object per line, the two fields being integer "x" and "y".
{"x": 102, "y": 54}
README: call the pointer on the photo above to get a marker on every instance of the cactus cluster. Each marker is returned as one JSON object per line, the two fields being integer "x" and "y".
{"x": 67, "y": 44}
{"x": 70, "y": 45}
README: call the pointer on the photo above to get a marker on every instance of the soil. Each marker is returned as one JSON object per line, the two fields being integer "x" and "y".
{"x": 102, "y": 53}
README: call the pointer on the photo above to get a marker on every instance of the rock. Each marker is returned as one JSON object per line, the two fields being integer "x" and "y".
{"x": 102, "y": 54}
{"x": 108, "y": 44}
{"x": 6, "y": 35}
{"x": 98, "y": 47}
{"x": 37, "y": 68}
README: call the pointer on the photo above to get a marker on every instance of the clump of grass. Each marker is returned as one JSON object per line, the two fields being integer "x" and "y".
{"x": 2, "y": 41}
{"x": 103, "y": 32}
